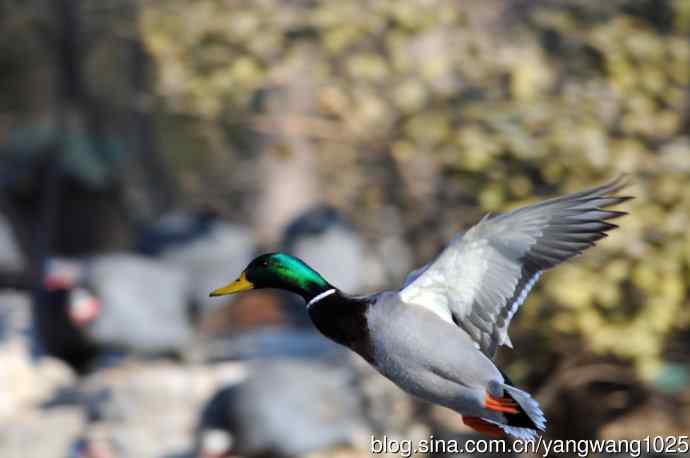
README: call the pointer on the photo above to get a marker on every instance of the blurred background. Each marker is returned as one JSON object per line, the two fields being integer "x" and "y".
{"x": 150, "y": 148}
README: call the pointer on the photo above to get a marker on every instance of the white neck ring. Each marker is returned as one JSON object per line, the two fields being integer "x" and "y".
{"x": 320, "y": 296}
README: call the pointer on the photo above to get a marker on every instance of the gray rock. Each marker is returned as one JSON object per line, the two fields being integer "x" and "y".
{"x": 40, "y": 434}
{"x": 150, "y": 409}
{"x": 143, "y": 304}
{"x": 283, "y": 408}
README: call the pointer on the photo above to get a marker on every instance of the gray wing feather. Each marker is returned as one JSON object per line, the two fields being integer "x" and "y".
{"x": 480, "y": 280}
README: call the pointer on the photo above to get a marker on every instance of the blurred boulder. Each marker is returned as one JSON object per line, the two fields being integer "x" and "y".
{"x": 24, "y": 384}
{"x": 39, "y": 433}
{"x": 150, "y": 409}
{"x": 283, "y": 408}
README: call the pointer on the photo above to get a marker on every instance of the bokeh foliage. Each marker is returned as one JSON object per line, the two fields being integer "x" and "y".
{"x": 484, "y": 104}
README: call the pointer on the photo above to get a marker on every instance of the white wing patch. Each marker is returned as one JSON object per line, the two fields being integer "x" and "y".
{"x": 429, "y": 292}
{"x": 455, "y": 281}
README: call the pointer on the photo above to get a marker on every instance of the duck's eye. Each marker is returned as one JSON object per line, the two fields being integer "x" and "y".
{"x": 264, "y": 263}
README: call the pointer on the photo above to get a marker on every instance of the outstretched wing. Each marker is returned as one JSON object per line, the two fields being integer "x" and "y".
{"x": 479, "y": 280}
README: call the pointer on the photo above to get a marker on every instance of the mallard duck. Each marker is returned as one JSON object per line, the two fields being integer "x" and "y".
{"x": 437, "y": 336}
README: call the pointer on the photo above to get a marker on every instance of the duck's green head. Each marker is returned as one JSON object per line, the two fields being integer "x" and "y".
{"x": 278, "y": 270}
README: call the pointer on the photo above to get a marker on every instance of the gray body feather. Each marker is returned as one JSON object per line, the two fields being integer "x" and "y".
{"x": 430, "y": 358}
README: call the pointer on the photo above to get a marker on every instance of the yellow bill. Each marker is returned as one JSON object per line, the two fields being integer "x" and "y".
{"x": 241, "y": 284}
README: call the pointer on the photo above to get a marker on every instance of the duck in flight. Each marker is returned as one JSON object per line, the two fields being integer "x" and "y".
{"x": 437, "y": 336}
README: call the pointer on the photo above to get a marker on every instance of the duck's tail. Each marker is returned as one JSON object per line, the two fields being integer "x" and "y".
{"x": 524, "y": 418}
{"x": 528, "y": 419}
